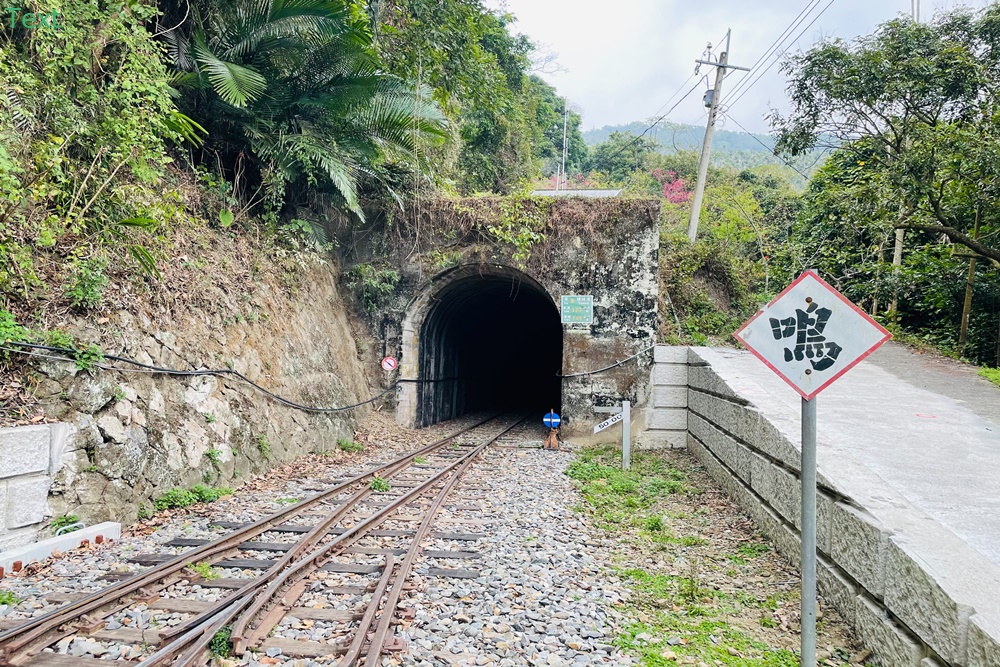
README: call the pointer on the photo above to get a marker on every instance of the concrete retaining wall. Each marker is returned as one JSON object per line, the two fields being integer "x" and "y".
{"x": 29, "y": 458}
{"x": 916, "y": 594}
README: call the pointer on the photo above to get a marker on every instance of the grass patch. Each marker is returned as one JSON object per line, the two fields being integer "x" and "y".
{"x": 679, "y": 623}
{"x": 9, "y": 599}
{"x": 263, "y": 446}
{"x": 619, "y": 497}
{"x": 205, "y": 570}
{"x": 748, "y": 551}
{"x": 286, "y": 501}
{"x": 220, "y": 646}
{"x": 199, "y": 493}
{"x": 420, "y": 460}
{"x": 991, "y": 374}
{"x": 682, "y": 611}
{"x": 349, "y": 446}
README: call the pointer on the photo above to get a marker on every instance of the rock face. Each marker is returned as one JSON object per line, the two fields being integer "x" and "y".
{"x": 134, "y": 435}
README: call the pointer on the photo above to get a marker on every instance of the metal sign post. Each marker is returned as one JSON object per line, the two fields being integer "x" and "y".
{"x": 626, "y": 435}
{"x": 808, "y": 649}
{"x": 623, "y": 415}
{"x": 810, "y": 335}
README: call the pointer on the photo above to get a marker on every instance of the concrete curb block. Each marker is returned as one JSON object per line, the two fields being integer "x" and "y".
{"x": 15, "y": 559}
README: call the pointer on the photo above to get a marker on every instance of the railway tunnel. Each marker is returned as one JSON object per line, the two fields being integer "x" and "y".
{"x": 489, "y": 343}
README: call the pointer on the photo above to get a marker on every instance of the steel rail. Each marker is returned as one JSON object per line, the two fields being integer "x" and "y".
{"x": 19, "y": 642}
{"x": 381, "y": 634}
{"x": 191, "y": 649}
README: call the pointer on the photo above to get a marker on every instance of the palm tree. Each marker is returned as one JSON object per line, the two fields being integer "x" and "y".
{"x": 293, "y": 88}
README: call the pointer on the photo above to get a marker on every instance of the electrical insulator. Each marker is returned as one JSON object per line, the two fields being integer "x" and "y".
{"x": 709, "y": 97}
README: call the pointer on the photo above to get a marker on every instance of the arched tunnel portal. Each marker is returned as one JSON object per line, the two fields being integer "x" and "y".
{"x": 486, "y": 342}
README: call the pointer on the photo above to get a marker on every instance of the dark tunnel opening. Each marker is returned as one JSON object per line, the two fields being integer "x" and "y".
{"x": 489, "y": 343}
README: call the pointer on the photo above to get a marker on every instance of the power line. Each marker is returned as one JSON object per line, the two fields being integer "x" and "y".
{"x": 769, "y": 149}
{"x": 810, "y": 5}
{"x": 657, "y": 121}
{"x": 778, "y": 57}
{"x": 669, "y": 99}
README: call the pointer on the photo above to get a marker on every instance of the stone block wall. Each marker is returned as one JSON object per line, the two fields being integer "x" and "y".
{"x": 666, "y": 413}
{"x": 916, "y": 594}
{"x": 29, "y": 458}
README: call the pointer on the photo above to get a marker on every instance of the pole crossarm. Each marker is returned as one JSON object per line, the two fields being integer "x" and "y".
{"x": 723, "y": 65}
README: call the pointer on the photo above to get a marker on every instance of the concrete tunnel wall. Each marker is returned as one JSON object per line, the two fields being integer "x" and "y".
{"x": 491, "y": 313}
{"x": 489, "y": 337}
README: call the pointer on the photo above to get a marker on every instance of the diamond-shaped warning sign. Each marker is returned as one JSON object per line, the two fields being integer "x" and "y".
{"x": 810, "y": 334}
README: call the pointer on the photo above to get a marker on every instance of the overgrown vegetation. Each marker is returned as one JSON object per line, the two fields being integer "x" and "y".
{"x": 991, "y": 374}
{"x": 619, "y": 498}
{"x": 220, "y": 646}
{"x": 380, "y": 485}
{"x": 141, "y": 121}
{"x": 205, "y": 570}
{"x": 263, "y": 446}
{"x": 199, "y": 493}
{"x": 349, "y": 446}
{"x": 372, "y": 284}
{"x": 703, "y": 587}
{"x": 8, "y": 599}
{"x": 65, "y": 521}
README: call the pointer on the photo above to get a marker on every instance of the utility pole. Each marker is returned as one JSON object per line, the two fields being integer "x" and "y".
{"x": 897, "y": 253}
{"x": 706, "y": 148}
{"x": 565, "y": 144}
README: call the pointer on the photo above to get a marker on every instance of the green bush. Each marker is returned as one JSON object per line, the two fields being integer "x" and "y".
{"x": 220, "y": 646}
{"x": 64, "y": 521}
{"x": 85, "y": 289}
{"x": 177, "y": 497}
{"x": 349, "y": 445}
{"x": 372, "y": 284}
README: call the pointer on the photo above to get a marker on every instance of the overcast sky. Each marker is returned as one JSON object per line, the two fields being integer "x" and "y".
{"x": 624, "y": 59}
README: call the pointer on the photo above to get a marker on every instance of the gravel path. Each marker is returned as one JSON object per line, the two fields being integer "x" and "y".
{"x": 544, "y": 596}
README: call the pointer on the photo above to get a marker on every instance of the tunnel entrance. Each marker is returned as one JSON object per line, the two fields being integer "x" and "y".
{"x": 489, "y": 343}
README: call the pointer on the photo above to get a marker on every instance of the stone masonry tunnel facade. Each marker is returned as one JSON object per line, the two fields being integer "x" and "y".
{"x": 486, "y": 336}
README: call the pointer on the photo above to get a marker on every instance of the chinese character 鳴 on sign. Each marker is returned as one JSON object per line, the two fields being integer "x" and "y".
{"x": 810, "y": 334}
{"x": 810, "y": 343}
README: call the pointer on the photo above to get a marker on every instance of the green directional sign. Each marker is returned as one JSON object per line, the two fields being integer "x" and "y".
{"x": 578, "y": 309}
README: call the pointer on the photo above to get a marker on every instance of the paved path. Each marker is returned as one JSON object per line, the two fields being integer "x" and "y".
{"x": 930, "y": 427}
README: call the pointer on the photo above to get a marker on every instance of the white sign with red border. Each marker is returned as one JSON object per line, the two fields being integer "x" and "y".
{"x": 810, "y": 335}
{"x": 389, "y": 364}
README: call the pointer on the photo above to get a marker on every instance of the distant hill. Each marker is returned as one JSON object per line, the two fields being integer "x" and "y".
{"x": 687, "y": 137}
{"x": 738, "y": 150}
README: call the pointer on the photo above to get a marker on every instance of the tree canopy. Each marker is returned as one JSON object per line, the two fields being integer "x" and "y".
{"x": 918, "y": 108}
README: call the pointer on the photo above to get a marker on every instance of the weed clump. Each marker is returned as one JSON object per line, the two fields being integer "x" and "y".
{"x": 199, "y": 493}
{"x": 349, "y": 446}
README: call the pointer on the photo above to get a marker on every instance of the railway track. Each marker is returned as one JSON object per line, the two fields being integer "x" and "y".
{"x": 338, "y": 563}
